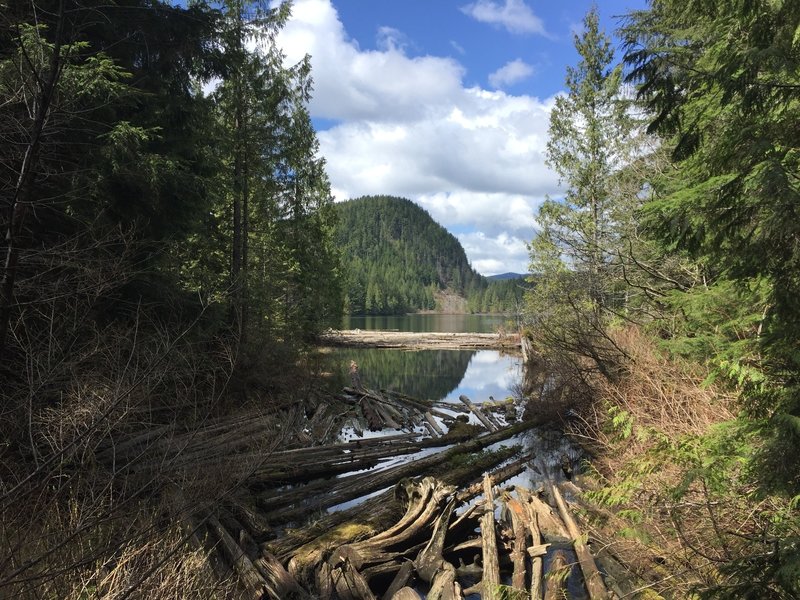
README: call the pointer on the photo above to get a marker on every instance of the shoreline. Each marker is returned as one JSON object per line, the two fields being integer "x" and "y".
{"x": 358, "y": 338}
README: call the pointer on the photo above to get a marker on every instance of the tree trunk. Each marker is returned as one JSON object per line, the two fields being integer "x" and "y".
{"x": 22, "y": 198}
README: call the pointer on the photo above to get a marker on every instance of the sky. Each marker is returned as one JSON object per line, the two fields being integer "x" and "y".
{"x": 444, "y": 102}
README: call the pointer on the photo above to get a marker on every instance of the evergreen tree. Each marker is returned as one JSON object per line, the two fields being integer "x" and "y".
{"x": 572, "y": 254}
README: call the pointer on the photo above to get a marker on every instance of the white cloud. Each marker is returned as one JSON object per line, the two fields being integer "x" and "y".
{"x": 353, "y": 84}
{"x": 513, "y": 15}
{"x": 458, "y": 47}
{"x": 391, "y": 40}
{"x": 502, "y": 253}
{"x": 407, "y": 126}
{"x": 510, "y": 73}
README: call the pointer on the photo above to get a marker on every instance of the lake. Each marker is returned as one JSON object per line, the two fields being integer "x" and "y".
{"x": 431, "y": 374}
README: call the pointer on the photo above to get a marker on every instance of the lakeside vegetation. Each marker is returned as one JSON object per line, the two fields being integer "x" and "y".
{"x": 666, "y": 307}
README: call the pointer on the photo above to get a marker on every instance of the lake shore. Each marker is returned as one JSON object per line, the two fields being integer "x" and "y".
{"x": 358, "y": 338}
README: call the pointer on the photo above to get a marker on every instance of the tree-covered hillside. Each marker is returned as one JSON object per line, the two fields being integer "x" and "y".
{"x": 397, "y": 259}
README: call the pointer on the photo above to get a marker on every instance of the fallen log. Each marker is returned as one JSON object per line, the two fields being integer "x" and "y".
{"x": 250, "y": 577}
{"x": 395, "y": 589}
{"x": 549, "y": 524}
{"x": 360, "y": 485}
{"x": 491, "y": 566}
{"x": 557, "y": 577}
{"x": 519, "y": 543}
{"x": 591, "y": 575}
{"x": 404, "y": 593}
{"x": 477, "y": 412}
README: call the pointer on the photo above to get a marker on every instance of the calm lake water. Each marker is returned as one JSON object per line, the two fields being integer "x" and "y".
{"x": 431, "y": 374}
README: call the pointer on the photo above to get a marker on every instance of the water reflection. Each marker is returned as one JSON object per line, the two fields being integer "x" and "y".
{"x": 431, "y": 374}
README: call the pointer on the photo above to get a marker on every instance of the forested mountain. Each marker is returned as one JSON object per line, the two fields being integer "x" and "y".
{"x": 397, "y": 259}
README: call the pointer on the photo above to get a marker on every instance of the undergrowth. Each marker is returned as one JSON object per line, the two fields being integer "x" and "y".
{"x": 674, "y": 474}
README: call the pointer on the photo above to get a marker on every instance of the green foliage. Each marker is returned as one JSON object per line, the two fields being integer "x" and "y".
{"x": 722, "y": 80}
{"x": 575, "y": 291}
{"x": 397, "y": 259}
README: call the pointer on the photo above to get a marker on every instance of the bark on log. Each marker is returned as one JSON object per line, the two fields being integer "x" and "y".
{"x": 591, "y": 575}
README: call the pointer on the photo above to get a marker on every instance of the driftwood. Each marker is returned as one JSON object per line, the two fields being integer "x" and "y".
{"x": 491, "y": 566}
{"x": 418, "y": 529}
{"x": 556, "y": 580}
{"x": 360, "y": 485}
{"x": 591, "y": 575}
{"x": 478, "y": 413}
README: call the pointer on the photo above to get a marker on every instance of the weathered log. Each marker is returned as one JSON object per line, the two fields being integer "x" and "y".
{"x": 491, "y": 565}
{"x": 429, "y": 561}
{"x": 375, "y": 550}
{"x": 520, "y": 543}
{"x": 405, "y": 593}
{"x": 360, "y": 485}
{"x": 432, "y": 422}
{"x": 444, "y": 585}
{"x": 349, "y": 583}
{"x": 550, "y": 525}
{"x": 393, "y": 592}
{"x": 591, "y": 575}
{"x": 557, "y": 577}
{"x": 280, "y": 584}
{"x": 477, "y": 412}
{"x": 375, "y": 514}
{"x": 250, "y": 577}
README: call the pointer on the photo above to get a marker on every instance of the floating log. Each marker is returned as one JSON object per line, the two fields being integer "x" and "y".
{"x": 591, "y": 575}
{"x": 356, "y": 486}
{"x": 477, "y": 412}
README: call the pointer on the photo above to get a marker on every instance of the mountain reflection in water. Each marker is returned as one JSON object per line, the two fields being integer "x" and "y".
{"x": 431, "y": 374}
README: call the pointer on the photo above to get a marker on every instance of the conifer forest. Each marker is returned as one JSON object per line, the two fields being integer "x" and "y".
{"x": 173, "y": 256}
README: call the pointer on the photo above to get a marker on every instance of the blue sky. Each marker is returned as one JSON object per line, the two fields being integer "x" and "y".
{"x": 445, "y": 102}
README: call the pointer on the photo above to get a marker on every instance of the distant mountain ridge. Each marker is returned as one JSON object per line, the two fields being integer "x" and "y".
{"x": 397, "y": 259}
{"x": 505, "y": 276}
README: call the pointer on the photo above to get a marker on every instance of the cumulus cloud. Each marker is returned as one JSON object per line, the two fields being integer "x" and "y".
{"x": 350, "y": 83}
{"x": 510, "y": 73}
{"x": 513, "y": 15}
{"x": 407, "y": 126}
{"x": 492, "y": 255}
